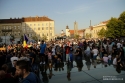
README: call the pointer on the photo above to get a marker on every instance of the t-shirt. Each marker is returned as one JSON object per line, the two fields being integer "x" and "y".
{"x": 42, "y": 48}
{"x": 12, "y": 59}
{"x": 95, "y": 52}
{"x": 105, "y": 59}
{"x": 118, "y": 45}
{"x": 49, "y": 56}
{"x": 31, "y": 78}
{"x": 67, "y": 50}
{"x": 53, "y": 51}
{"x": 114, "y": 61}
{"x": 109, "y": 57}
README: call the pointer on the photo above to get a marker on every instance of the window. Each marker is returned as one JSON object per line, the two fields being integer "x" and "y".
{"x": 38, "y": 24}
{"x": 14, "y": 27}
{"x": 6, "y": 27}
{"x": 34, "y": 24}
{"x": 46, "y": 28}
{"x": 47, "y": 34}
{"x": 42, "y": 34}
{"x": 50, "y": 34}
{"x": 3, "y": 27}
{"x": 18, "y": 33}
{"x": 42, "y": 28}
{"x": 31, "y": 35}
{"x": 10, "y": 27}
{"x": 34, "y": 28}
{"x": 46, "y": 24}
{"x": 42, "y": 24}
{"x": 50, "y": 28}
{"x": 30, "y": 24}
{"x": 38, "y": 28}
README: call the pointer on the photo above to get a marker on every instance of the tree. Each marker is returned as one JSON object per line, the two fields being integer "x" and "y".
{"x": 122, "y": 21}
{"x": 116, "y": 26}
{"x": 113, "y": 28}
{"x": 76, "y": 36}
{"x": 102, "y": 33}
{"x": 35, "y": 38}
{"x": 87, "y": 36}
{"x": 44, "y": 38}
{"x": 122, "y": 17}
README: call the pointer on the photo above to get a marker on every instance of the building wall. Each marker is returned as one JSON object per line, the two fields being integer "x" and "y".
{"x": 87, "y": 31}
{"x": 67, "y": 32}
{"x": 39, "y": 29}
{"x": 96, "y": 29}
{"x": 16, "y": 31}
{"x": 30, "y": 26}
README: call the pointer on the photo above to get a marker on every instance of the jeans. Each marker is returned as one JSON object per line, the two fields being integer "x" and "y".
{"x": 67, "y": 57}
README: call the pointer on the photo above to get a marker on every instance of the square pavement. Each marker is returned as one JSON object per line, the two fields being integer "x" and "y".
{"x": 94, "y": 75}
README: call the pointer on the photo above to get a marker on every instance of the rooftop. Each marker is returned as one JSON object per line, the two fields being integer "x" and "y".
{"x": 25, "y": 19}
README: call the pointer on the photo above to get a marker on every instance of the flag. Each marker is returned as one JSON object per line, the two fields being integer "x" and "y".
{"x": 25, "y": 38}
{"x": 25, "y": 41}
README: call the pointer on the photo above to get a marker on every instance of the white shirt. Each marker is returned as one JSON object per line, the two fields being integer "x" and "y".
{"x": 95, "y": 52}
{"x": 114, "y": 61}
{"x": 109, "y": 57}
{"x": 118, "y": 45}
{"x": 12, "y": 59}
{"x": 53, "y": 51}
{"x": 24, "y": 58}
{"x": 105, "y": 59}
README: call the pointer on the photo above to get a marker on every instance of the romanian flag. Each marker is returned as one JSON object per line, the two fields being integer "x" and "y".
{"x": 25, "y": 41}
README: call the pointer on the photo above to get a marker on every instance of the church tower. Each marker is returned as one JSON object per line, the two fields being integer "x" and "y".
{"x": 75, "y": 28}
{"x": 67, "y": 31}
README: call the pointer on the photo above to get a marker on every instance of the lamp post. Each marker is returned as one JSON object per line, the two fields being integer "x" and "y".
{"x": 5, "y": 32}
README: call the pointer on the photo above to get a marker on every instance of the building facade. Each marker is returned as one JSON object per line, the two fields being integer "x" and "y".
{"x": 31, "y": 26}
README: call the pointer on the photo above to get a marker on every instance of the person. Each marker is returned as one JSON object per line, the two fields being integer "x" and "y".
{"x": 95, "y": 53}
{"x": 42, "y": 49}
{"x": 105, "y": 60}
{"x": 13, "y": 58}
{"x": 87, "y": 53}
{"x": 109, "y": 59}
{"x": 22, "y": 70}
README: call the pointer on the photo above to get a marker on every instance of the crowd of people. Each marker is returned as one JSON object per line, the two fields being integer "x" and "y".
{"x": 20, "y": 64}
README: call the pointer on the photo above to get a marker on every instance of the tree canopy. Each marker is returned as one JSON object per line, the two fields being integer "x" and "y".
{"x": 102, "y": 33}
{"x": 116, "y": 26}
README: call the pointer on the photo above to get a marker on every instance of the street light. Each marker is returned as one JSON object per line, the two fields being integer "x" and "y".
{"x": 6, "y": 32}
